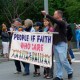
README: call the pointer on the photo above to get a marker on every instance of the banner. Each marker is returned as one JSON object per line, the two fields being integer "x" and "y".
{"x": 34, "y": 48}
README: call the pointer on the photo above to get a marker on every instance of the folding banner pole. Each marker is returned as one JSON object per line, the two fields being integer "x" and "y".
{"x": 46, "y": 5}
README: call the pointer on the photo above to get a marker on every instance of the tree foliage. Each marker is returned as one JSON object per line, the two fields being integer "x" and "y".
{"x": 10, "y": 9}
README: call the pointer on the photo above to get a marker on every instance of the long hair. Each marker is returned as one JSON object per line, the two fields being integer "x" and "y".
{"x": 50, "y": 24}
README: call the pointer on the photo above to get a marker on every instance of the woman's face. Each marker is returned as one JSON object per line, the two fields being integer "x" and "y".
{"x": 3, "y": 25}
{"x": 46, "y": 23}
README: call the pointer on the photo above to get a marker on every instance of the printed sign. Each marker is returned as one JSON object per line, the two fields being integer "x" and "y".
{"x": 34, "y": 48}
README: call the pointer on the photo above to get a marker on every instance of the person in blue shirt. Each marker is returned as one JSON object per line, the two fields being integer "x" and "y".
{"x": 78, "y": 38}
{"x": 18, "y": 24}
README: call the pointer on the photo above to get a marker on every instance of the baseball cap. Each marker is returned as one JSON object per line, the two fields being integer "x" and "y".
{"x": 38, "y": 24}
{"x": 18, "y": 19}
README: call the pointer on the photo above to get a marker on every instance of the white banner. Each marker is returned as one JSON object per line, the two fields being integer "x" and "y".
{"x": 34, "y": 48}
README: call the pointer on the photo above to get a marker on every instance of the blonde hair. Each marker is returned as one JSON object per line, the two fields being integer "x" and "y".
{"x": 28, "y": 23}
{"x": 4, "y": 29}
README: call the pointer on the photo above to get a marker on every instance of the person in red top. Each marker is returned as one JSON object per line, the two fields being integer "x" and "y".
{"x": 47, "y": 25}
{"x": 60, "y": 45}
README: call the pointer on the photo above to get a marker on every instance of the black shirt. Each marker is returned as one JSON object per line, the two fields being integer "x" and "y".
{"x": 60, "y": 27}
{"x": 5, "y": 37}
{"x": 69, "y": 33}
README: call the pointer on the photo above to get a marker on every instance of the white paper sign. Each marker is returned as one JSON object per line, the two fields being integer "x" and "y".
{"x": 32, "y": 48}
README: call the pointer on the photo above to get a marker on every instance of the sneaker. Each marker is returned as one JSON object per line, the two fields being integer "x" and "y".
{"x": 73, "y": 59}
{"x": 26, "y": 74}
{"x": 56, "y": 78}
{"x": 45, "y": 75}
{"x": 70, "y": 76}
{"x": 17, "y": 72}
{"x": 49, "y": 77}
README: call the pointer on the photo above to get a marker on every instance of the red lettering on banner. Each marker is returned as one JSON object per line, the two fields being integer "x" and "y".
{"x": 37, "y": 47}
{"x": 25, "y": 45}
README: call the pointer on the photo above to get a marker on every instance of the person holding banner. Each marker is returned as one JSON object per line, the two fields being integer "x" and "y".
{"x": 48, "y": 27}
{"x": 3, "y": 26}
{"x": 18, "y": 23}
{"x": 60, "y": 45}
{"x": 28, "y": 28}
{"x": 38, "y": 28}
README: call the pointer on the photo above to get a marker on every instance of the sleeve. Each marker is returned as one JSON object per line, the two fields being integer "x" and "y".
{"x": 32, "y": 30}
{"x": 51, "y": 29}
{"x": 60, "y": 23}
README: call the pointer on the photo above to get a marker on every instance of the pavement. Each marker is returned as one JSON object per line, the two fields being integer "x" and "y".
{"x": 7, "y": 70}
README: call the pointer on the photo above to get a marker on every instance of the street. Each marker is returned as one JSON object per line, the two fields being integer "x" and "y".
{"x": 7, "y": 70}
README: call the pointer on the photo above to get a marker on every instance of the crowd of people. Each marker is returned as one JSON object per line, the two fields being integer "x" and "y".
{"x": 61, "y": 44}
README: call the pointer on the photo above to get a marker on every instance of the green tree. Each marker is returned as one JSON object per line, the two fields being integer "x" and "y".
{"x": 10, "y": 9}
{"x": 56, "y": 5}
{"x": 72, "y": 10}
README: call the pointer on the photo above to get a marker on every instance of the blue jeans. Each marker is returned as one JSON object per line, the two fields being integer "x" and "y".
{"x": 78, "y": 44}
{"x": 27, "y": 68}
{"x": 70, "y": 50}
{"x": 60, "y": 53}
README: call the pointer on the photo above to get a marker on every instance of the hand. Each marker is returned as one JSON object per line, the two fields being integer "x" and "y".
{"x": 44, "y": 13}
{"x": 48, "y": 32}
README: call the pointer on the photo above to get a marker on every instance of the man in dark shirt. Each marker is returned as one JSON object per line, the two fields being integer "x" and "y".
{"x": 18, "y": 23}
{"x": 60, "y": 45}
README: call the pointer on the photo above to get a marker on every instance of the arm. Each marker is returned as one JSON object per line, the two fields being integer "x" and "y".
{"x": 60, "y": 23}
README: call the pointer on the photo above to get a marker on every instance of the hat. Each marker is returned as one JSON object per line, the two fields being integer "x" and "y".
{"x": 18, "y": 19}
{"x": 38, "y": 24}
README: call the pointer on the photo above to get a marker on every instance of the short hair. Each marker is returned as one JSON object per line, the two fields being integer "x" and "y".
{"x": 28, "y": 22}
{"x": 60, "y": 13}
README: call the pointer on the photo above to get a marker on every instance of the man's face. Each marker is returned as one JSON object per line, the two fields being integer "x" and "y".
{"x": 56, "y": 15}
{"x": 16, "y": 23}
